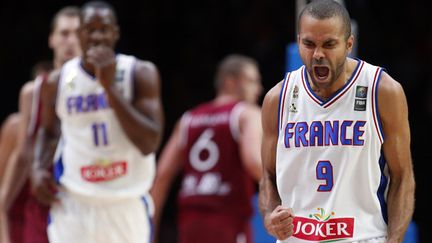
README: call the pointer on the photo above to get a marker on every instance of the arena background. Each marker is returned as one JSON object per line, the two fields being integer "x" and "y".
{"x": 186, "y": 39}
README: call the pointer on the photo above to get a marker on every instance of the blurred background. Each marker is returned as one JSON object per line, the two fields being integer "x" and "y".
{"x": 186, "y": 39}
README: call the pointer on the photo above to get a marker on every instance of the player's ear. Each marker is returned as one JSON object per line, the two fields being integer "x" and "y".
{"x": 350, "y": 43}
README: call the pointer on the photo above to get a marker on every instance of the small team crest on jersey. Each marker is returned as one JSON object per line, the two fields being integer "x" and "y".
{"x": 360, "y": 104}
{"x": 323, "y": 227}
{"x": 295, "y": 92}
{"x": 361, "y": 91}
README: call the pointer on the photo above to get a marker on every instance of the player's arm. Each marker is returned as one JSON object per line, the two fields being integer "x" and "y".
{"x": 393, "y": 111}
{"x": 250, "y": 140}
{"x": 43, "y": 185}
{"x": 168, "y": 167}
{"x": 18, "y": 167}
{"x": 8, "y": 140}
{"x": 8, "y": 137}
{"x": 142, "y": 120}
{"x": 278, "y": 220}
{"x": 4, "y": 228}
{"x": 144, "y": 125}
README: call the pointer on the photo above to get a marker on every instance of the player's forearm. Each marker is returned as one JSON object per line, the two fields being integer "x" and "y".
{"x": 4, "y": 227}
{"x": 45, "y": 146}
{"x": 145, "y": 132}
{"x": 17, "y": 172}
{"x": 400, "y": 207}
{"x": 268, "y": 196}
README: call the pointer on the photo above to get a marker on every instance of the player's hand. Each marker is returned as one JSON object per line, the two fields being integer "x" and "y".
{"x": 43, "y": 186}
{"x": 279, "y": 223}
{"x": 103, "y": 59}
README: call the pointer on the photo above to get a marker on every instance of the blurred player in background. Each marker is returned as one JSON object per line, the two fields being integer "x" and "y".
{"x": 216, "y": 147}
{"x": 107, "y": 109}
{"x": 27, "y": 217}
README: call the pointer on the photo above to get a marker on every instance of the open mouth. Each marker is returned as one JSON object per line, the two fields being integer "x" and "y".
{"x": 321, "y": 72}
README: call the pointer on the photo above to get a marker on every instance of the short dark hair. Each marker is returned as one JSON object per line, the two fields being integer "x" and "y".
{"x": 232, "y": 65}
{"x": 69, "y": 11}
{"x": 323, "y": 9}
{"x": 100, "y": 5}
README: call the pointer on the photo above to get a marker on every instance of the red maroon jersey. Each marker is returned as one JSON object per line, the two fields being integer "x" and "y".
{"x": 215, "y": 182}
{"x": 36, "y": 214}
{"x": 28, "y": 218}
{"x": 26, "y": 213}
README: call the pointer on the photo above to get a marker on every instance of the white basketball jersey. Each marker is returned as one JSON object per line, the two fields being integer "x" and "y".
{"x": 95, "y": 157}
{"x": 329, "y": 165}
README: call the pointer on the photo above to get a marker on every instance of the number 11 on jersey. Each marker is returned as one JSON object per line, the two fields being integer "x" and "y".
{"x": 99, "y": 134}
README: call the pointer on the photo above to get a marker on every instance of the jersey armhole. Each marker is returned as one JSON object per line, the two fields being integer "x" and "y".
{"x": 234, "y": 120}
{"x": 375, "y": 111}
{"x": 282, "y": 98}
{"x": 183, "y": 134}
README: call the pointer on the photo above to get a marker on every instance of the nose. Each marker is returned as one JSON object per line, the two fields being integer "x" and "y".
{"x": 72, "y": 38}
{"x": 318, "y": 53}
{"x": 96, "y": 36}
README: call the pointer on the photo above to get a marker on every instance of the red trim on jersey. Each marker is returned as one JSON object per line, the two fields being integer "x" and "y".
{"x": 307, "y": 90}
{"x": 374, "y": 88}
{"x": 283, "y": 100}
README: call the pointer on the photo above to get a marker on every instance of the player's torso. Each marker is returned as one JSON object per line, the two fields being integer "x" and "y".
{"x": 214, "y": 179}
{"x": 329, "y": 164}
{"x": 97, "y": 156}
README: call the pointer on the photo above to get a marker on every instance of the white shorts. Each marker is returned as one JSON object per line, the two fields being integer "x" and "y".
{"x": 76, "y": 220}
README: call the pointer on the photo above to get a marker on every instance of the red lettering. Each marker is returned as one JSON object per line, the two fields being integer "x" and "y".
{"x": 314, "y": 230}
{"x": 101, "y": 173}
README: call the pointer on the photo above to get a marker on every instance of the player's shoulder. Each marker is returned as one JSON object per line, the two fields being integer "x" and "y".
{"x": 146, "y": 70}
{"x": 146, "y": 66}
{"x": 388, "y": 86}
{"x": 27, "y": 88}
{"x": 249, "y": 107}
{"x": 272, "y": 96}
{"x": 11, "y": 122}
{"x": 54, "y": 76}
{"x": 139, "y": 64}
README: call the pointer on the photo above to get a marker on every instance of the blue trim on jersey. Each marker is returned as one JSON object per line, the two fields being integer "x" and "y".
{"x": 49, "y": 219}
{"x": 376, "y": 104}
{"x": 149, "y": 218}
{"x": 382, "y": 187}
{"x": 58, "y": 169}
{"x": 280, "y": 99}
{"x": 323, "y": 102}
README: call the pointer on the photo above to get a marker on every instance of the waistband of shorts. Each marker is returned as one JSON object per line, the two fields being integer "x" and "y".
{"x": 97, "y": 199}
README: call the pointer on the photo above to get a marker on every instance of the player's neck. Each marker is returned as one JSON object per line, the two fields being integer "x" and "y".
{"x": 327, "y": 92}
{"x": 224, "y": 98}
{"x": 57, "y": 63}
